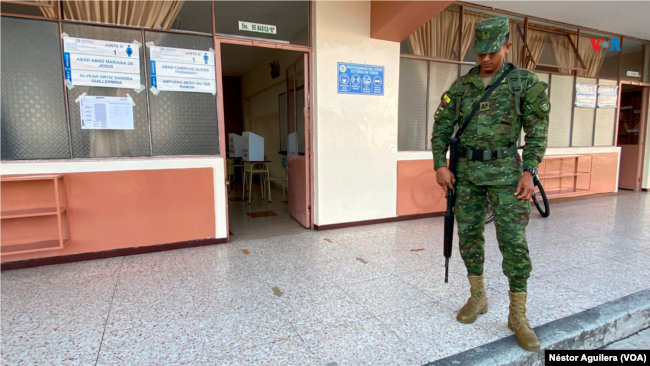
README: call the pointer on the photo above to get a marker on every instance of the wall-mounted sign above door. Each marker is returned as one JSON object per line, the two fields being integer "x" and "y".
{"x": 258, "y": 28}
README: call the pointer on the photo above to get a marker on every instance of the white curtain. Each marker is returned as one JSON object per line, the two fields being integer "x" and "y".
{"x": 149, "y": 14}
{"x": 563, "y": 51}
{"x": 536, "y": 42}
{"x": 48, "y": 12}
{"x": 517, "y": 40}
{"x": 433, "y": 38}
{"x": 469, "y": 22}
{"x": 593, "y": 59}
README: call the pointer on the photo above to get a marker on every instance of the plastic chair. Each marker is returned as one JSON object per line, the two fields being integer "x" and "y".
{"x": 256, "y": 168}
{"x": 284, "y": 179}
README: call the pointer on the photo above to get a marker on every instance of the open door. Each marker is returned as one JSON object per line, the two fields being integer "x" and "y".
{"x": 632, "y": 124}
{"x": 298, "y": 139}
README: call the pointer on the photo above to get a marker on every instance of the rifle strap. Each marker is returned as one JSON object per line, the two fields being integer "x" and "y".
{"x": 487, "y": 93}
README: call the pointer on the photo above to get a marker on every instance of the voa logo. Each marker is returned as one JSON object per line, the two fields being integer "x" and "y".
{"x": 597, "y": 44}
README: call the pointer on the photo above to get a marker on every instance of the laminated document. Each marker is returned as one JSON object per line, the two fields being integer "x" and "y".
{"x": 106, "y": 113}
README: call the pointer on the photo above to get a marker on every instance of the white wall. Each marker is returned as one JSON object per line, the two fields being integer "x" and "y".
{"x": 355, "y": 152}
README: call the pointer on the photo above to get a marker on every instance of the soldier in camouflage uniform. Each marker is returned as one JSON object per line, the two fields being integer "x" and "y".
{"x": 490, "y": 166}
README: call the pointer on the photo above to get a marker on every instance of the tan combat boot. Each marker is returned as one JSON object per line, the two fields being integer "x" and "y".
{"x": 518, "y": 323}
{"x": 476, "y": 304}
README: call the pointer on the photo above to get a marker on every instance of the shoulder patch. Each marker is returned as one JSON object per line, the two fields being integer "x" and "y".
{"x": 542, "y": 106}
{"x": 445, "y": 100}
{"x": 545, "y": 106}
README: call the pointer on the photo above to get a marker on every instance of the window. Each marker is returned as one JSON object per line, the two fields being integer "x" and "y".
{"x": 598, "y": 63}
{"x": 282, "y": 105}
{"x": 182, "y": 123}
{"x": 187, "y": 16}
{"x": 605, "y": 121}
{"x": 421, "y": 85}
{"x": 34, "y": 122}
{"x": 412, "y": 105}
{"x": 634, "y": 61}
{"x": 281, "y": 21}
{"x": 559, "y": 56}
{"x": 194, "y": 16}
{"x": 33, "y": 8}
{"x": 552, "y": 48}
{"x": 109, "y": 143}
{"x": 436, "y": 38}
{"x": 559, "y": 128}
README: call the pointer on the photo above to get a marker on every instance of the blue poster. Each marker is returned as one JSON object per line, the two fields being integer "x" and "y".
{"x": 360, "y": 79}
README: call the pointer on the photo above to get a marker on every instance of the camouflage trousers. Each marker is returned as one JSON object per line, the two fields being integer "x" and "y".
{"x": 510, "y": 218}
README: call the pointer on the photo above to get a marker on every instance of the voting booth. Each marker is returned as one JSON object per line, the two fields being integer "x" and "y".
{"x": 253, "y": 147}
{"x": 236, "y": 145}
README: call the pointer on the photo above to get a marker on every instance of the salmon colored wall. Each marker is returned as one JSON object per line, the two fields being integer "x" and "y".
{"x": 124, "y": 209}
{"x": 604, "y": 172}
{"x": 396, "y": 20}
{"x": 417, "y": 190}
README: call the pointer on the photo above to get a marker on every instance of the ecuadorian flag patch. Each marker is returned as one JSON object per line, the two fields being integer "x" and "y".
{"x": 445, "y": 100}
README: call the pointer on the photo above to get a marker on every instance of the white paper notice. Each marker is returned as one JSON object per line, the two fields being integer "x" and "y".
{"x": 586, "y": 95}
{"x": 177, "y": 69}
{"x": 607, "y": 96}
{"x": 92, "y": 62}
{"x": 106, "y": 113}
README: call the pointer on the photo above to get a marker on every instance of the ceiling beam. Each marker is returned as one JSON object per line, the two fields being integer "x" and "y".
{"x": 396, "y": 20}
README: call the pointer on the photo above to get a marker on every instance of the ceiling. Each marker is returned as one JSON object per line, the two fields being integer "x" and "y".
{"x": 629, "y": 18}
{"x": 238, "y": 60}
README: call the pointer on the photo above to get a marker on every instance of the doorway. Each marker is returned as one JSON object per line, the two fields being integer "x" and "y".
{"x": 632, "y": 127}
{"x": 266, "y": 117}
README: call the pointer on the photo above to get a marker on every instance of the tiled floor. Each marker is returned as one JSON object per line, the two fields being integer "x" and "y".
{"x": 260, "y": 219}
{"x": 218, "y": 306}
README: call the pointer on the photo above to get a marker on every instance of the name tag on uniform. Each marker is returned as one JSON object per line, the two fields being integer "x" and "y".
{"x": 485, "y": 106}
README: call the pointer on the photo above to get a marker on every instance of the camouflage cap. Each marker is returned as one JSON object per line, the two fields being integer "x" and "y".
{"x": 490, "y": 34}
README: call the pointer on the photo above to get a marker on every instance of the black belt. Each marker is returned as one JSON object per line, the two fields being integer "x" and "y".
{"x": 486, "y": 155}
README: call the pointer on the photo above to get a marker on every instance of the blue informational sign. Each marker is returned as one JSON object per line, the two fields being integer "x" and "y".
{"x": 360, "y": 79}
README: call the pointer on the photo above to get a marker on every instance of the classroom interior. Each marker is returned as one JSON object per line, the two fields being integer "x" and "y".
{"x": 260, "y": 137}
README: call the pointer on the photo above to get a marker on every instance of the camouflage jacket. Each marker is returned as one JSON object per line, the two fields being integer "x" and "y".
{"x": 494, "y": 126}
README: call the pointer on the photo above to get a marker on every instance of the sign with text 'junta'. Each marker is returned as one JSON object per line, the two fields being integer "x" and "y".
{"x": 93, "y": 62}
{"x": 360, "y": 79}
{"x": 178, "y": 69}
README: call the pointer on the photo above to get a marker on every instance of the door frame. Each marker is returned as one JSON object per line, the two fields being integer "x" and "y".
{"x": 642, "y": 129}
{"x": 218, "y": 41}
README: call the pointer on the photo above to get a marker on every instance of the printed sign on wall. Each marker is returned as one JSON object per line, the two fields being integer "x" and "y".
{"x": 92, "y": 62}
{"x": 259, "y": 28}
{"x": 360, "y": 79}
{"x": 177, "y": 69}
{"x": 586, "y": 95}
{"x": 106, "y": 113}
{"x": 607, "y": 96}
